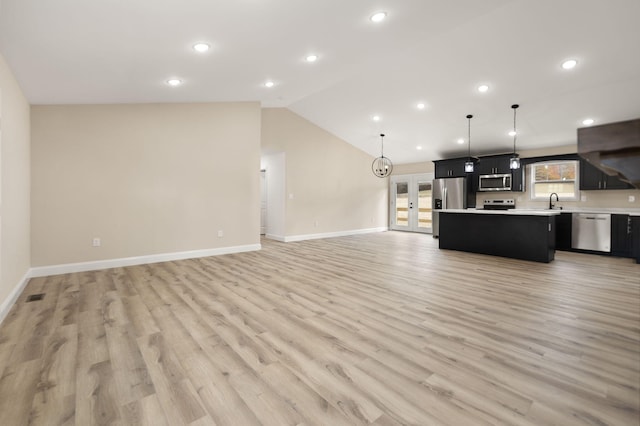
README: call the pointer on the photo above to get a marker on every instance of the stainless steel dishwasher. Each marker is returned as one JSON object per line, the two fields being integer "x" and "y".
{"x": 591, "y": 231}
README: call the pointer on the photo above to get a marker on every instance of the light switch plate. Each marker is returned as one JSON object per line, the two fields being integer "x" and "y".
{"x": 632, "y": 198}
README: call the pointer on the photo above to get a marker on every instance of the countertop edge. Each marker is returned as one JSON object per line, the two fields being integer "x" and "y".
{"x": 511, "y": 212}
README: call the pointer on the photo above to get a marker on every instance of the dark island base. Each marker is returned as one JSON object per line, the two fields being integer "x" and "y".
{"x": 515, "y": 236}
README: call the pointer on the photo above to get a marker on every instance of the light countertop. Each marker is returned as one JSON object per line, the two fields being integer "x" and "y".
{"x": 512, "y": 212}
{"x": 613, "y": 210}
{"x": 547, "y": 212}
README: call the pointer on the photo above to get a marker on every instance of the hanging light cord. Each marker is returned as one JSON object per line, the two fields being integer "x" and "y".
{"x": 469, "y": 117}
{"x": 515, "y": 107}
{"x": 382, "y": 145}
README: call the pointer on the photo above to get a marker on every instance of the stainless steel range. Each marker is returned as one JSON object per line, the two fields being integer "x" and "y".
{"x": 499, "y": 204}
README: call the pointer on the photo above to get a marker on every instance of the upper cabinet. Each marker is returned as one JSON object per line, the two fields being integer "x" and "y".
{"x": 490, "y": 165}
{"x": 517, "y": 180}
{"x": 592, "y": 178}
{"x": 613, "y": 148}
{"x": 493, "y": 165}
{"x": 450, "y": 168}
{"x": 498, "y": 165}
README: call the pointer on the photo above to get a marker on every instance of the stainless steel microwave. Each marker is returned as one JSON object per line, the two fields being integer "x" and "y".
{"x": 500, "y": 182}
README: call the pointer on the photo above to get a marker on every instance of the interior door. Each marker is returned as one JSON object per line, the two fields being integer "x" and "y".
{"x": 410, "y": 203}
{"x": 399, "y": 209}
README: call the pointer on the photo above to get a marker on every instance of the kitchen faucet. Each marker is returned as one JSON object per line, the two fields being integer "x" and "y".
{"x": 550, "y": 198}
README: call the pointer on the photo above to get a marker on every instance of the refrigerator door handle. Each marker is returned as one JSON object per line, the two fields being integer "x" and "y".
{"x": 444, "y": 199}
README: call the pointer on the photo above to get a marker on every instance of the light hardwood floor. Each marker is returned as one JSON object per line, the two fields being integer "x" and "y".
{"x": 381, "y": 329}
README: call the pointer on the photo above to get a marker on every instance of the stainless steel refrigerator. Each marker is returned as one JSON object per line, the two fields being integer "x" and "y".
{"x": 448, "y": 193}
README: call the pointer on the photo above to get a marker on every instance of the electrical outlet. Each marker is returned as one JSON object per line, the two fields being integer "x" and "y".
{"x": 315, "y": 223}
{"x": 632, "y": 198}
{"x": 291, "y": 196}
{"x": 583, "y": 198}
{"x": 96, "y": 242}
{"x": 220, "y": 234}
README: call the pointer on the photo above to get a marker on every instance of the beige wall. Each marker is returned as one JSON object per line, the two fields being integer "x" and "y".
{"x": 413, "y": 168}
{"x": 14, "y": 184}
{"x": 331, "y": 181}
{"x": 146, "y": 179}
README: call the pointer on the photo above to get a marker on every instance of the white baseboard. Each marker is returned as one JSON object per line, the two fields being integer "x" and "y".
{"x": 334, "y": 234}
{"x": 43, "y": 271}
{"x": 8, "y": 303}
{"x": 276, "y": 237}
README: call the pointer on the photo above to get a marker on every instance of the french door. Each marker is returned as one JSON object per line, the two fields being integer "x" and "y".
{"x": 410, "y": 203}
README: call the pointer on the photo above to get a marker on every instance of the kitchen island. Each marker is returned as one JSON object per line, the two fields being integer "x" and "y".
{"x": 518, "y": 234}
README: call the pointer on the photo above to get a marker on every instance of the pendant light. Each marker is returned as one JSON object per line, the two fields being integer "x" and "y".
{"x": 514, "y": 161}
{"x": 382, "y": 166}
{"x": 468, "y": 166}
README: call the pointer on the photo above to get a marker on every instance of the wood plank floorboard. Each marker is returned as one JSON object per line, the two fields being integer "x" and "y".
{"x": 377, "y": 329}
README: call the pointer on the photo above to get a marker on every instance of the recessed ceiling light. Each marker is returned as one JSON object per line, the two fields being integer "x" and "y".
{"x": 201, "y": 47}
{"x": 312, "y": 58}
{"x": 421, "y": 106}
{"x": 378, "y": 16}
{"x": 569, "y": 64}
{"x": 269, "y": 84}
{"x": 483, "y": 88}
{"x": 460, "y": 141}
{"x": 418, "y": 147}
{"x": 512, "y": 133}
{"x": 174, "y": 82}
{"x": 587, "y": 122}
{"x": 376, "y": 118}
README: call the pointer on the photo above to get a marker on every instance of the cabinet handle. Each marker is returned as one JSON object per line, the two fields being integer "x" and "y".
{"x": 599, "y": 184}
{"x": 605, "y": 184}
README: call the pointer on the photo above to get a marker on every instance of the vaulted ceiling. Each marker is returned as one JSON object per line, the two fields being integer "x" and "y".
{"x": 431, "y": 52}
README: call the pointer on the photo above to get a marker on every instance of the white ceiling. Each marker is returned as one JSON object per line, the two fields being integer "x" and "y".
{"x": 431, "y": 51}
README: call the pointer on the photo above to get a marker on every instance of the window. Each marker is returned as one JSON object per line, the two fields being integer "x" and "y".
{"x": 560, "y": 177}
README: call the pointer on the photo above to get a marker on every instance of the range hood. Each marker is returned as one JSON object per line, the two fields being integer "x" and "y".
{"x": 613, "y": 148}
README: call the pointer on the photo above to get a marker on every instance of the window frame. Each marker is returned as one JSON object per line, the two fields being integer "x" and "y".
{"x": 532, "y": 179}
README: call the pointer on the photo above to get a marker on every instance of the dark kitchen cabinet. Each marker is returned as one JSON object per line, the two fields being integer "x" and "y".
{"x": 518, "y": 180}
{"x": 493, "y": 165}
{"x": 635, "y": 238}
{"x": 592, "y": 178}
{"x": 450, "y": 168}
{"x": 563, "y": 231}
{"x": 621, "y": 238}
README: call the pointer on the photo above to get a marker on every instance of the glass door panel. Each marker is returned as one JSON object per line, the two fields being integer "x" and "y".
{"x": 424, "y": 206}
{"x": 410, "y": 203}
{"x": 399, "y": 209}
{"x": 402, "y": 204}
